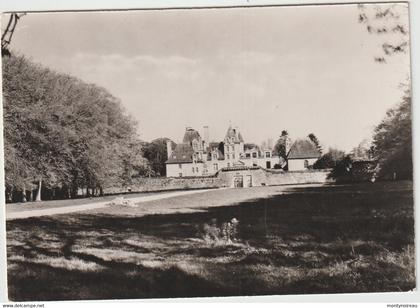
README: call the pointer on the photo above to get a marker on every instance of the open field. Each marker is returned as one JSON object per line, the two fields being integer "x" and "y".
{"x": 330, "y": 239}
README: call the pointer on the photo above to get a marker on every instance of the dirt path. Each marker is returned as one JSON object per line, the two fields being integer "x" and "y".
{"x": 91, "y": 206}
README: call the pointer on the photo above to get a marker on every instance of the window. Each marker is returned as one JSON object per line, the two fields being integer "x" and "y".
{"x": 267, "y": 154}
{"x": 196, "y": 169}
{"x": 254, "y": 154}
{"x": 227, "y": 156}
{"x": 215, "y": 167}
{"x": 193, "y": 169}
{"x": 228, "y": 165}
{"x": 233, "y": 155}
{"x": 248, "y": 155}
{"x": 179, "y": 166}
{"x": 306, "y": 163}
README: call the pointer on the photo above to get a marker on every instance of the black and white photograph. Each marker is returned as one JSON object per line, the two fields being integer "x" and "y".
{"x": 208, "y": 152}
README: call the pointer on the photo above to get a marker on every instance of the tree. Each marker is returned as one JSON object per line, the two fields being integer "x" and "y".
{"x": 135, "y": 165}
{"x": 341, "y": 171}
{"x": 157, "y": 154}
{"x": 389, "y": 157}
{"x": 63, "y": 134}
{"x": 6, "y": 36}
{"x": 363, "y": 151}
{"x": 329, "y": 159}
{"x": 267, "y": 144}
{"x": 386, "y": 20}
{"x": 315, "y": 141}
{"x": 348, "y": 170}
{"x": 392, "y": 142}
{"x": 280, "y": 148}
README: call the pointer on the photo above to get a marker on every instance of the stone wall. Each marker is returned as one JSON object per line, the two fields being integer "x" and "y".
{"x": 225, "y": 178}
{"x": 258, "y": 176}
{"x": 262, "y": 177}
{"x": 162, "y": 183}
{"x": 297, "y": 177}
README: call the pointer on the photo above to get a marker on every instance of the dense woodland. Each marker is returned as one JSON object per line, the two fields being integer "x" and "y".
{"x": 392, "y": 142}
{"x": 65, "y": 135}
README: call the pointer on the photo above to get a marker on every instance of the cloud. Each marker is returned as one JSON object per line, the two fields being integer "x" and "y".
{"x": 117, "y": 63}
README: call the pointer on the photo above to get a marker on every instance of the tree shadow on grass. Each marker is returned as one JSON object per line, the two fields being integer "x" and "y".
{"x": 281, "y": 240}
{"x": 119, "y": 280}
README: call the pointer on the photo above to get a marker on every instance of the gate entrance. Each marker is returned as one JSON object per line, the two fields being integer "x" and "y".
{"x": 238, "y": 181}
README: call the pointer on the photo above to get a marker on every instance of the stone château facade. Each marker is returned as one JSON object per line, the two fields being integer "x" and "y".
{"x": 196, "y": 156}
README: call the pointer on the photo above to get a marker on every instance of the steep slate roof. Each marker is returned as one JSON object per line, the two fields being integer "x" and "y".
{"x": 241, "y": 139}
{"x": 190, "y": 135}
{"x": 213, "y": 145}
{"x": 235, "y": 134}
{"x": 250, "y": 146}
{"x": 182, "y": 154}
{"x": 220, "y": 155}
{"x": 303, "y": 149}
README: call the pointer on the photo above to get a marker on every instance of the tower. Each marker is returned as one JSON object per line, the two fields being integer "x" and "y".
{"x": 206, "y": 135}
{"x": 169, "y": 147}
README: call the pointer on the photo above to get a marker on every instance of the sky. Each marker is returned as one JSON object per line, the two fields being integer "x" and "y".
{"x": 304, "y": 69}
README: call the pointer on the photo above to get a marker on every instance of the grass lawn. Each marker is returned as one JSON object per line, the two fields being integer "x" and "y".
{"x": 331, "y": 239}
{"x": 18, "y": 207}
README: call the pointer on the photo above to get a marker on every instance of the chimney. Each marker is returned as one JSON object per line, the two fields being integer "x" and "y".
{"x": 206, "y": 135}
{"x": 169, "y": 148}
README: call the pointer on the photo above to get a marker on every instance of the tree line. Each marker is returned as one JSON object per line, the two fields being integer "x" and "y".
{"x": 63, "y": 136}
{"x": 387, "y": 156}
